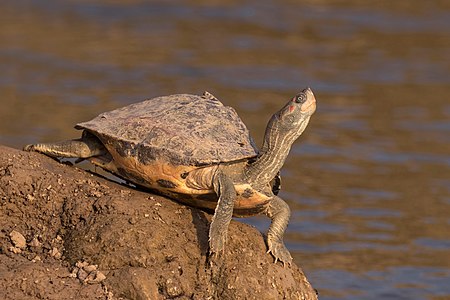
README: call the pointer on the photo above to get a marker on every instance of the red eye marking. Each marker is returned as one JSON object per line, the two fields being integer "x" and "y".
{"x": 291, "y": 108}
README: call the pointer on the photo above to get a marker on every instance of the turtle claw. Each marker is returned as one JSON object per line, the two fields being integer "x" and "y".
{"x": 280, "y": 253}
{"x": 216, "y": 250}
{"x": 217, "y": 244}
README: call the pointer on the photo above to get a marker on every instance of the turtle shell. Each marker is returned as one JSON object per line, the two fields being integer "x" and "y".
{"x": 181, "y": 129}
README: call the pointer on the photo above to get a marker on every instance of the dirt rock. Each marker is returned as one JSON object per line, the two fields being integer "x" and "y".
{"x": 18, "y": 239}
{"x": 91, "y": 238}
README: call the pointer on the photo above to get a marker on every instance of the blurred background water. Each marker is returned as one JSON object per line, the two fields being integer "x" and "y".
{"x": 368, "y": 182}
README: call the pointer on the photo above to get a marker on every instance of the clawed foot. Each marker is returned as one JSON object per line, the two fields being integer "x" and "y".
{"x": 216, "y": 249}
{"x": 217, "y": 243}
{"x": 280, "y": 252}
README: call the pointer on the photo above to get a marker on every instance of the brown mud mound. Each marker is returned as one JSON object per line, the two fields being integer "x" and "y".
{"x": 67, "y": 234}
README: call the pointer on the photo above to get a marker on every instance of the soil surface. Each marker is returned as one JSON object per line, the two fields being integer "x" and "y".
{"x": 69, "y": 234}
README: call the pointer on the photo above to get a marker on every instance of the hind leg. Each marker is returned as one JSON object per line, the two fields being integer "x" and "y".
{"x": 84, "y": 147}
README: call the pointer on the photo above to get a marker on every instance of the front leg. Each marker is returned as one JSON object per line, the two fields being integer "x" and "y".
{"x": 218, "y": 231}
{"x": 279, "y": 212}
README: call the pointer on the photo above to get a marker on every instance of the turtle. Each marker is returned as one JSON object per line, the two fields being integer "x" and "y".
{"x": 197, "y": 151}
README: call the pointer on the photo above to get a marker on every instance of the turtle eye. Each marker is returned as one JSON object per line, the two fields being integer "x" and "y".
{"x": 300, "y": 98}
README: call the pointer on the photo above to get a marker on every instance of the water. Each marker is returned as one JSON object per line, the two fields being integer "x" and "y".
{"x": 368, "y": 183}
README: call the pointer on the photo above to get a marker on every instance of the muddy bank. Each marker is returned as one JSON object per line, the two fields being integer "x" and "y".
{"x": 68, "y": 234}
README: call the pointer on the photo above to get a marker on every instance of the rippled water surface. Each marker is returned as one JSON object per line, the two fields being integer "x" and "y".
{"x": 368, "y": 182}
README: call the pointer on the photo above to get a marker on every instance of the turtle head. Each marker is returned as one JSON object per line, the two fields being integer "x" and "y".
{"x": 283, "y": 129}
{"x": 290, "y": 121}
{"x": 297, "y": 110}
{"x": 294, "y": 116}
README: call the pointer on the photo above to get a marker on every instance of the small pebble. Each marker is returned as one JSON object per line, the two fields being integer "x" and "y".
{"x": 99, "y": 277}
{"x": 90, "y": 278}
{"x": 18, "y": 239}
{"x": 55, "y": 253}
{"x": 15, "y": 250}
{"x": 82, "y": 274}
{"x": 81, "y": 264}
{"x": 35, "y": 243}
{"x": 90, "y": 268}
{"x": 95, "y": 277}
